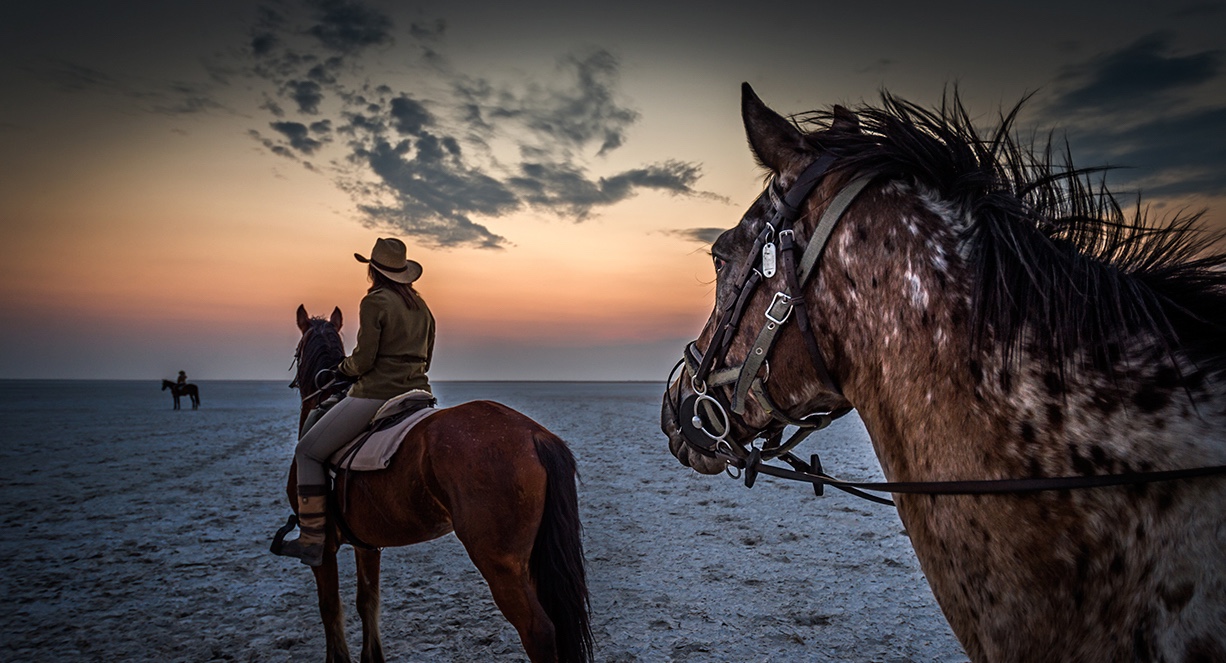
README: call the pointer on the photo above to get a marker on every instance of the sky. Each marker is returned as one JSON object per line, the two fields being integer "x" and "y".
{"x": 177, "y": 177}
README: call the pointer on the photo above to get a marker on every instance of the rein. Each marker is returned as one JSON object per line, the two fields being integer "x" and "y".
{"x": 705, "y": 419}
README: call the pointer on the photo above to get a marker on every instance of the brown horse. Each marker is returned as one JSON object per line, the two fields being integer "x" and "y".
{"x": 178, "y": 390}
{"x": 992, "y": 316}
{"x": 503, "y": 483}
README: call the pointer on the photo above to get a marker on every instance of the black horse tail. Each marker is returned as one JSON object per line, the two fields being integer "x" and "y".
{"x": 557, "y": 556}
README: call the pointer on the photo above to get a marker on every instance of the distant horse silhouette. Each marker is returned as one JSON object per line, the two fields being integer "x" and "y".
{"x": 178, "y": 390}
{"x": 999, "y": 323}
{"x": 504, "y": 484}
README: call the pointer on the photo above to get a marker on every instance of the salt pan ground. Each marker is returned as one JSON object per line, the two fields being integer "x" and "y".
{"x": 132, "y": 532}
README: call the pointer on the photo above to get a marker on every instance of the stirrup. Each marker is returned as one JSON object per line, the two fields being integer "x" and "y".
{"x": 278, "y": 539}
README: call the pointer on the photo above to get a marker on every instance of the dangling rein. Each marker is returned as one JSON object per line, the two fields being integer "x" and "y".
{"x": 811, "y": 472}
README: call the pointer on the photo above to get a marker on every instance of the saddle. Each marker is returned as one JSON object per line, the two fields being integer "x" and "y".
{"x": 373, "y": 448}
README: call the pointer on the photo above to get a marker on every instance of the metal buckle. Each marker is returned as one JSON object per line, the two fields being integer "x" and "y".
{"x": 779, "y": 299}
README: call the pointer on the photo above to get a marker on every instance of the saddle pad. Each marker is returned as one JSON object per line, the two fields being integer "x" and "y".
{"x": 406, "y": 401}
{"x": 377, "y": 451}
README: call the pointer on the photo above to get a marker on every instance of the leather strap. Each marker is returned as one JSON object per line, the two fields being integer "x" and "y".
{"x": 777, "y": 312}
{"x": 825, "y": 226}
{"x": 804, "y": 184}
{"x": 985, "y": 486}
{"x": 797, "y": 290}
{"x": 732, "y": 315}
{"x": 723, "y": 376}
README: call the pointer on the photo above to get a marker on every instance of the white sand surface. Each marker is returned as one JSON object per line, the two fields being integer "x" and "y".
{"x": 132, "y": 532}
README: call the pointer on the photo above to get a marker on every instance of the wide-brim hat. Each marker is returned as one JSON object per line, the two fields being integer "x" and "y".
{"x": 388, "y": 257}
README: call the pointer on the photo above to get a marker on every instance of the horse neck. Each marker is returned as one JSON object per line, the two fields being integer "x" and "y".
{"x": 898, "y": 285}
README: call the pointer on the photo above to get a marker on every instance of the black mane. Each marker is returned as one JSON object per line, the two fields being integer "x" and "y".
{"x": 1058, "y": 263}
{"x": 321, "y": 347}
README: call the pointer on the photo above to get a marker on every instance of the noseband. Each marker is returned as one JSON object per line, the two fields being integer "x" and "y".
{"x": 705, "y": 417}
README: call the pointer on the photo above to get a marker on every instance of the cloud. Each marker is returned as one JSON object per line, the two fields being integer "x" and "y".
{"x": 569, "y": 190}
{"x": 299, "y": 136}
{"x": 409, "y": 117}
{"x": 1139, "y": 74}
{"x": 153, "y": 96}
{"x": 272, "y": 146}
{"x": 1168, "y": 155}
{"x": 434, "y": 194}
{"x": 307, "y": 94}
{"x": 346, "y": 26}
{"x": 74, "y": 77}
{"x": 183, "y": 99}
{"x": 264, "y": 38}
{"x": 703, "y": 235}
{"x": 581, "y": 112}
{"x": 436, "y": 159}
{"x": 1153, "y": 114}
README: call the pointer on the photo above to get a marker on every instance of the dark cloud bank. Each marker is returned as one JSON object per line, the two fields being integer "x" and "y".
{"x": 427, "y": 163}
{"x": 1155, "y": 112}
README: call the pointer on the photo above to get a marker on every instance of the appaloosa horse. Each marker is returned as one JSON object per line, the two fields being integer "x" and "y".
{"x": 178, "y": 390}
{"x": 992, "y": 316}
{"x": 503, "y": 483}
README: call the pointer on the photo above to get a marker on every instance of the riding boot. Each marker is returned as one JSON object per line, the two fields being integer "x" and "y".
{"x": 312, "y": 519}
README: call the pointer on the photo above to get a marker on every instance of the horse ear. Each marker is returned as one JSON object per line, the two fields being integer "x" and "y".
{"x": 845, "y": 120}
{"x": 304, "y": 320}
{"x": 336, "y": 318}
{"x": 775, "y": 141}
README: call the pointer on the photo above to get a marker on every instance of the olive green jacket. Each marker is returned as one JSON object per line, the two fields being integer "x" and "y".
{"x": 394, "y": 348}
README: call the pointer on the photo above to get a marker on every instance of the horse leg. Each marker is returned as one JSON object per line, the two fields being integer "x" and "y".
{"x": 327, "y": 586}
{"x": 368, "y": 603}
{"x": 515, "y": 595}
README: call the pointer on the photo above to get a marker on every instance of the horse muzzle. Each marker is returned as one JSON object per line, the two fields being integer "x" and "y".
{"x": 696, "y": 426}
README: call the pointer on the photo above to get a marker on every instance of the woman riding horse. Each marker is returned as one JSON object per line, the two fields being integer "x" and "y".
{"x": 393, "y": 352}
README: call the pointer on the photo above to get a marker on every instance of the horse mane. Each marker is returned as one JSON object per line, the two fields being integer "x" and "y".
{"x": 1059, "y": 267}
{"x": 314, "y": 356}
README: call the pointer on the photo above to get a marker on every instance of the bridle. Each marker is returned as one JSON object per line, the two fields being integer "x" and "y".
{"x": 706, "y": 417}
{"x": 324, "y": 380}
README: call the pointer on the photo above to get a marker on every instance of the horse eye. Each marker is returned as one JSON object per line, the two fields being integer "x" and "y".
{"x": 719, "y": 263}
